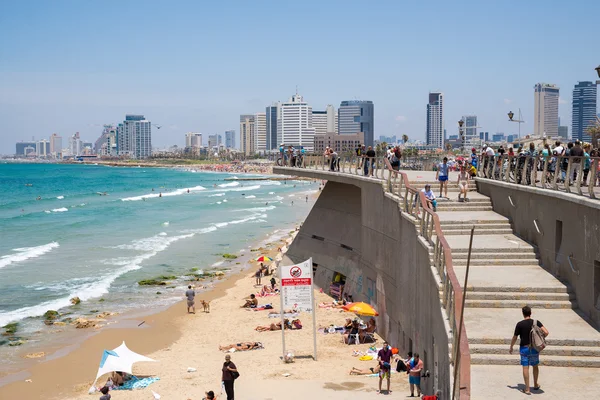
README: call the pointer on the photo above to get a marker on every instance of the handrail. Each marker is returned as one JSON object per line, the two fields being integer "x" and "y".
{"x": 571, "y": 264}
{"x": 544, "y": 172}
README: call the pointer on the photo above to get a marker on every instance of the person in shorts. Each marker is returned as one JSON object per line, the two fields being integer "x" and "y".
{"x": 529, "y": 355}
{"x": 442, "y": 177}
{"x": 190, "y": 294}
{"x": 384, "y": 356}
{"x": 415, "y": 366}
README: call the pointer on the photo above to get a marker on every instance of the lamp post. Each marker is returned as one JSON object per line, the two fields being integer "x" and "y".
{"x": 519, "y": 121}
{"x": 598, "y": 70}
{"x": 461, "y": 133}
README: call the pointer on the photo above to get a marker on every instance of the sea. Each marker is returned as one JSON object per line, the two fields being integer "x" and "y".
{"x": 94, "y": 231}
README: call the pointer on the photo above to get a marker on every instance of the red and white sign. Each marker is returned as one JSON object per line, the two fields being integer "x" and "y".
{"x": 296, "y": 286}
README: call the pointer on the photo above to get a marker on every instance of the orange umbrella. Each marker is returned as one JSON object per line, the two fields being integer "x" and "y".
{"x": 361, "y": 308}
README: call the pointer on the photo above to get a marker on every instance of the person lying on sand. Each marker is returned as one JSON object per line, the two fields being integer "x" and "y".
{"x": 370, "y": 371}
{"x": 252, "y": 302}
{"x": 272, "y": 327}
{"x": 333, "y": 304}
{"x": 267, "y": 291}
{"x": 292, "y": 311}
{"x": 244, "y": 346}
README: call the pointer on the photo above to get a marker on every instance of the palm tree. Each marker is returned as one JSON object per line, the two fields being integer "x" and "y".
{"x": 594, "y": 132}
{"x": 405, "y": 138}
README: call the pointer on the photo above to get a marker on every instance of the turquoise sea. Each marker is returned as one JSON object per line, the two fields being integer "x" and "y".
{"x": 60, "y": 238}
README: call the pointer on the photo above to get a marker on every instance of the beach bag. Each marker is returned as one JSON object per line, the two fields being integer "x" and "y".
{"x": 538, "y": 341}
{"x": 235, "y": 375}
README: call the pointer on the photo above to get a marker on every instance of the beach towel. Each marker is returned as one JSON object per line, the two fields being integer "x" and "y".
{"x": 262, "y": 308}
{"x": 136, "y": 383}
{"x": 287, "y": 315}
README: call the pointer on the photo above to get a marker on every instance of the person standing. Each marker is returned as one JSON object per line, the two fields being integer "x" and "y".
{"x": 190, "y": 294}
{"x": 442, "y": 176}
{"x": 229, "y": 369}
{"x": 369, "y": 162}
{"x": 415, "y": 366}
{"x": 463, "y": 183}
{"x": 384, "y": 356}
{"x": 258, "y": 276}
{"x": 576, "y": 152}
{"x": 529, "y": 355}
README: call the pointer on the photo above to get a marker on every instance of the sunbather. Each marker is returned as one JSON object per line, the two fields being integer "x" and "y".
{"x": 252, "y": 302}
{"x": 244, "y": 346}
{"x": 272, "y": 327}
{"x": 370, "y": 371}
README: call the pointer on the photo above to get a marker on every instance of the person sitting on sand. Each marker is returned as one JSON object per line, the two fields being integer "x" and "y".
{"x": 252, "y": 302}
{"x": 367, "y": 333}
{"x": 210, "y": 395}
{"x": 105, "y": 395}
{"x": 244, "y": 346}
{"x": 370, "y": 371}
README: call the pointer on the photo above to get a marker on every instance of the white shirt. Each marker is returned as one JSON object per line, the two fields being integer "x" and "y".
{"x": 429, "y": 195}
{"x": 490, "y": 152}
{"x": 559, "y": 150}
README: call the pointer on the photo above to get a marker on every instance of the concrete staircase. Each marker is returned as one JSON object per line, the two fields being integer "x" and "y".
{"x": 505, "y": 275}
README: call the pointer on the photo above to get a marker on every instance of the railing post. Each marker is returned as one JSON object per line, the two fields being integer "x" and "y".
{"x": 556, "y": 173}
{"x": 580, "y": 176}
{"x": 593, "y": 177}
{"x": 567, "y": 181}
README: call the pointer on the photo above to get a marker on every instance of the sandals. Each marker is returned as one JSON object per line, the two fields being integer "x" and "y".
{"x": 524, "y": 392}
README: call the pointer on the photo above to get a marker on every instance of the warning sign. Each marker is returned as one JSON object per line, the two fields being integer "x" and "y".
{"x": 296, "y": 286}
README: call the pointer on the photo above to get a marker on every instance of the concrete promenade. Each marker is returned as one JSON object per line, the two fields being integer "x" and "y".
{"x": 506, "y": 274}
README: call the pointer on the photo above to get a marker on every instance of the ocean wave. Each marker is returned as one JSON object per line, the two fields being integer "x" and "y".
{"x": 166, "y": 223}
{"x": 155, "y": 243}
{"x": 269, "y": 182}
{"x": 62, "y": 209}
{"x": 218, "y": 263}
{"x": 25, "y": 253}
{"x": 218, "y": 202}
{"x": 257, "y": 209}
{"x": 251, "y": 197}
{"x": 225, "y": 201}
{"x": 241, "y": 188}
{"x": 177, "y": 192}
{"x": 217, "y": 195}
{"x": 271, "y": 192}
{"x": 230, "y": 184}
{"x": 60, "y": 197}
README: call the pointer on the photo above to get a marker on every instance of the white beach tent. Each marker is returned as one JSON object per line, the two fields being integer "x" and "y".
{"x": 119, "y": 359}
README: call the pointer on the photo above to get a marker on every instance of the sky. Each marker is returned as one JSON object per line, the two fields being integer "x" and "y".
{"x": 195, "y": 66}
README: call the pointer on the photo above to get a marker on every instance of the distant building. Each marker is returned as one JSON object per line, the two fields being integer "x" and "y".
{"x": 214, "y": 141}
{"x": 470, "y": 129}
{"x": 260, "y": 132}
{"x": 388, "y": 139}
{"x": 25, "y": 149}
{"x": 356, "y": 116}
{"x": 511, "y": 138}
{"x": 498, "y": 137}
{"x": 193, "y": 143}
{"x": 42, "y": 148}
{"x": 56, "y": 146}
{"x": 271, "y": 116}
{"x": 453, "y": 137}
{"x": 325, "y": 121}
{"x": 545, "y": 113}
{"x": 340, "y": 143}
{"x": 75, "y": 145}
{"x": 230, "y": 139}
{"x": 134, "y": 137}
{"x": 247, "y": 134}
{"x": 584, "y": 110}
{"x": 485, "y": 136}
{"x": 563, "y": 132}
{"x": 435, "y": 120}
{"x": 294, "y": 123}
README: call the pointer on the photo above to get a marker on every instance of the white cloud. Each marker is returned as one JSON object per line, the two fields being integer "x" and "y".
{"x": 507, "y": 101}
{"x": 401, "y": 118}
{"x": 561, "y": 101}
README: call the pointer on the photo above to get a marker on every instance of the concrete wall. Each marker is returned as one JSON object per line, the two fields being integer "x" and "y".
{"x": 579, "y": 218}
{"x": 385, "y": 263}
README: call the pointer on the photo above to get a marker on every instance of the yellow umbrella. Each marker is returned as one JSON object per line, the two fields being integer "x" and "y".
{"x": 361, "y": 308}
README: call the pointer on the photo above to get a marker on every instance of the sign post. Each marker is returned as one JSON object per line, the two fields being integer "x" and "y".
{"x": 297, "y": 292}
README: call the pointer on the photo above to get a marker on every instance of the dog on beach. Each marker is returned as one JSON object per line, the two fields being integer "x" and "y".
{"x": 206, "y": 305}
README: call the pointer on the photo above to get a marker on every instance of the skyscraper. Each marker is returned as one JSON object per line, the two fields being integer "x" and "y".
{"x": 435, "y": 120}
{"x": 563, "y": 131}
{"x": 247, "y": 133}
{"x": 75, "y": 145}
{"x": 271, "y": 126}
{"x": 545, "y": 110}
{"x": 357, "y": 116}
{"x": 471, "y": 135}
{"x": 214, "y": 141}
{"x": 584, "y": 110}
{"x": 294, "y": 123}
{"x": 332, "y": 119}
{"x": 230, "y": 139}
{"x": 325, "y": 121}
{"x": 134, "y": 137}
{"x": 193, "y": 140}
{"x": 260, "y": 132}
{"x": 56, "y": 145}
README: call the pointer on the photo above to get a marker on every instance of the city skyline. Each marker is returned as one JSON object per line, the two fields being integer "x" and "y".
{"x": 45, "y": 88}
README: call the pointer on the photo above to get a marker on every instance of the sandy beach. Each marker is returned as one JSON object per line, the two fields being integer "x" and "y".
{"x": 178, "y": 340}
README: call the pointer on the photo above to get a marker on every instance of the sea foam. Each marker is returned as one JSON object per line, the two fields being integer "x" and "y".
{"x": 177, "y": 192}
{"x": 25, "y": 253}
{"x": 230, "y": 184}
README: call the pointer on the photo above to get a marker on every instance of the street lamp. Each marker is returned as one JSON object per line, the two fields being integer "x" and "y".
{"x": 598, "y": 70}
{"x": 461, "y": 132}
{"x": 519, "y": 121}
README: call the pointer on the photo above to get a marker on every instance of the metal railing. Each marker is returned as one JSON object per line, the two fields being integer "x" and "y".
{"x": 413, "y": 202}
{"x": 559, "y": 173}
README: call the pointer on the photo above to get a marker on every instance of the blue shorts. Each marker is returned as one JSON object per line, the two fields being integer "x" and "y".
{"x": 442, "y": 178}
{"x": 530, "y": 357}
{"x": 415, "y": 380}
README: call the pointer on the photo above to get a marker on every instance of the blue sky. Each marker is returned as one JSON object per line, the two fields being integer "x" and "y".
{"x": 68, "y": 66}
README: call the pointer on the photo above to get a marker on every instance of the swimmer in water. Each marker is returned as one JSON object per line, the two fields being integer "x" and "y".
{"x": 39, "y": 198}
{"x": 188, "y": 190}
{"x": 153, "y": 189}
{"x": 292, "y": 202}
{"x": 307, "y": 199}
{"x": 160, "y": 194}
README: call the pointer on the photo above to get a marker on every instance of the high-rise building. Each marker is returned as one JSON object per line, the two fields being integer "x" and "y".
{"x": 247, "y": 133}
{"x": 332, "y": 119}
{"x": 435, "y": 120}
{"x": 26, "y": 148}
{"x": 271, "y": 114}
{"x": 563, "y": 131}
{"x": 75, "y": 145}
{"x": 42, "y": 148}
{"x": 106, "y": 143}
{"x": 193, "y": 140}
{"x": 584, "y": 109}
{"x": 56, "y": 145}
{"x": 485, "y": 136}
{"x": 324, "y": 121}
{"x": 294, "y": 123}
{"x": 214, "y": 141}
{"x": 498, "y": 137}
{"x": 356, "y": 116}
{"x": 260, "y": 132}
{"x": 545, "y": 110}
{"x": 230, "y": 139}
{"x": 134, "y": 137}
{"x": 470, "y": 129}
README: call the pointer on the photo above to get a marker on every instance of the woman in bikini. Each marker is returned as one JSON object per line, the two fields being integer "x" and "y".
{"x": 370, "y": 371}
{"x": 463, "y": 183}
{"x": 272, "y": 327}
{"x": 244, "y": 346}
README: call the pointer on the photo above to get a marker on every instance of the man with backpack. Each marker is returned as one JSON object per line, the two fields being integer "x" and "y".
{"x": 532, "y": 334}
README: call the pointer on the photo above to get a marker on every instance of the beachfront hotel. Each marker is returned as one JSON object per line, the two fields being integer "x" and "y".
{"x": 295, "y": 125}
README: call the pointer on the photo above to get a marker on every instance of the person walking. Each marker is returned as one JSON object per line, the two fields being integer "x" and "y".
{"x": 463, "y": 183}
{"x": 384, "y": 356}
{"x": 529, "y": 355}
{"x": 442, "y": 176}
{"x": 229, "y": 373}
{"x": 190, "y": 294}
{"x": 577, "y": 153}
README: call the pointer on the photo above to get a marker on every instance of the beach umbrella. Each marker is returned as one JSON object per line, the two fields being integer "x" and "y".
{"x": 361, "y": 308}
{"x": 264, "y": 259}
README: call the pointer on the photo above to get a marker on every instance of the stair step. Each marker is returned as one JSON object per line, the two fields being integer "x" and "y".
{"x": 512, "y": 289}
{"x": 512, "y": 250}
{"x": 499, "y": 231}
{"x": 474, "y": 222}
{"x": 549, "y": 361}
{"x": 551, "y": 342}
{"x": 465, "y": 207}
{"x": 547, "y": 304}
{"x": 520, "y": 296}
{"x": 562, "y": 351}
{"x": 476, "y": 256}
{"x": 490, "y": 262}
{"x": 501, "y": 225}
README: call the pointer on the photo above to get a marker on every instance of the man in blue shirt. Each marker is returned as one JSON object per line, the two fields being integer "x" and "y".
{"x": 474, "y": 158}
{"x": 442, "y": 177}
{"x": 430, "y": 197}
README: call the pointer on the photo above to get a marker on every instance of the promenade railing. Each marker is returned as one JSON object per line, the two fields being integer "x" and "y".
{"x": 560, "y": 173}
{"x": 413, "y": 202}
